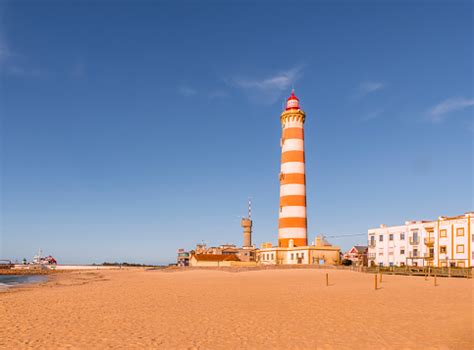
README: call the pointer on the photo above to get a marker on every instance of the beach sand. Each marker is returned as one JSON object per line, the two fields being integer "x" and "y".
{"x": 209, "y": 309}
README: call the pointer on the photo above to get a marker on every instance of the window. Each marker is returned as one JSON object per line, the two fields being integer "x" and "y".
{"x": 302, "y": 255}
{"x": 442, "y": 233}
{"x": 415, "y": 252}
{"x": 402, "y": 251}
{"x": 460, "y": 231}
{"x": 381, "y": 264}
{"x": 472, "y": 255}
{"x": 460, "y": 248}
{"x": 442, "y": 249}
{"x": 390, "y": 237}
{"x": 473, "y": 237}
{"x": 391, "y": 263}
{"x": 272, "y": 256}
{"x": 402, "y": 236}
{"x": 372, "y": 240}
{"x": 415, "y": 236}
{"x": 292, "y": 256}
{"x": 402, "y": 264}
{"x": 381, "y": 238}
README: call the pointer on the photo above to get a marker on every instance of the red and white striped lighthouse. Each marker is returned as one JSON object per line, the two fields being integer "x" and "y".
{"x": 292, "y": 224}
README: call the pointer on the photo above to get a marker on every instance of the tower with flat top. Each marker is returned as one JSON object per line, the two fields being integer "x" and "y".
{"x": 292, "y": 224}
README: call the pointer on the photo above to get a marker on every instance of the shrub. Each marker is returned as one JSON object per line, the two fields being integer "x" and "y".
{"x": 346, "y": 262}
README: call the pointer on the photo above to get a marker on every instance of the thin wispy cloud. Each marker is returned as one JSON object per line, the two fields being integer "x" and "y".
{"x": 372, "y": 115}
{"x": 217, "y": 94}
{"x": 186, "y": 91}
{"x": 368, "y": 87}
{"x": 15, "y": 64}
{"x": 270, "y": 88}
{"x": 441, "y": 111}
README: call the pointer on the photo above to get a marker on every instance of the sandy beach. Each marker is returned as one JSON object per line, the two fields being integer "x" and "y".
{"x": 209, "y": 309}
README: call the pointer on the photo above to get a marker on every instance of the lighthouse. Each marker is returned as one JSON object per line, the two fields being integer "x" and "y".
{"x": 292, "y": 224}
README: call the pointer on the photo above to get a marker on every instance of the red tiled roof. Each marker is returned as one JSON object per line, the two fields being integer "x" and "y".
{"x": 216, "y": 257}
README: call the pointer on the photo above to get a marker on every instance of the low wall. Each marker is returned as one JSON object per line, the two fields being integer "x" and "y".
{"x": 63, "y": 267}
{"x": 243, "y": 264}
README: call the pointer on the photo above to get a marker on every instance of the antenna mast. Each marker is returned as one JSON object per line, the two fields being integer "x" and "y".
{"x": 250, "y": 209}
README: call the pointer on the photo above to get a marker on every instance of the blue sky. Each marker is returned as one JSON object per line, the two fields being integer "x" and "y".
{"x": 131, "y": 129}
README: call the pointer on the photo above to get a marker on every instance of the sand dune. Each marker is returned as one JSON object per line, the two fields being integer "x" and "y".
{"x": 273, "y": 309}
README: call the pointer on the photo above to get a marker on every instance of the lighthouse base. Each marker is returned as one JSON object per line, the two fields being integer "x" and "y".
{"x": 297, "y": 242}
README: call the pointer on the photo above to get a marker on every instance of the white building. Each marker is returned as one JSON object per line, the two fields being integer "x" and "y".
{"x": 446, "y": 241}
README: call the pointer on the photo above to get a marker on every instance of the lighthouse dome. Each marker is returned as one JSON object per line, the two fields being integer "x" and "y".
{"x": 293, "y": 102}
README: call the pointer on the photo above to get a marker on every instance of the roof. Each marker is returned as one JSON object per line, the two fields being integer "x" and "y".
{"x": 361, "y": 249}
{"x": 216, "y": 257}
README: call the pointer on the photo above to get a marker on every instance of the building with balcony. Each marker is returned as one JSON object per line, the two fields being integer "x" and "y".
{"x": 447, "y": 241}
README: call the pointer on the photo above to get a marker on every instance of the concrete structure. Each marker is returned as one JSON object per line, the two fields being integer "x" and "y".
{"x": 183, "y": 258}
{"x": 292, "y": 224}
{"x": 246, "y": 223}
{"x": 448, "y": 241}
{"x": 358, "y": 255}
{"x": 212, "y": 260}
{"x": 319, "y": 253}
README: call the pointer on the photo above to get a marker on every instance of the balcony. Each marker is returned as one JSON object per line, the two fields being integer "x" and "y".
{"x": 429, "y": 256}
{"x": 371, "y": 256}
{"x": 414, "y": 241}
{"x": 429, "y": 241}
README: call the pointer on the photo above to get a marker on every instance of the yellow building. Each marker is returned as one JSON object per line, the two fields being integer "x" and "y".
{"x": 320, "y": 253}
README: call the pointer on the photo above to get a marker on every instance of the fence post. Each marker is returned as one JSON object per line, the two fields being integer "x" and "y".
{"x": 375, "y": 281}
{"x": 435, "y": 284}
{"x": 327, "y": 279}
{"x": 380, "y": 277}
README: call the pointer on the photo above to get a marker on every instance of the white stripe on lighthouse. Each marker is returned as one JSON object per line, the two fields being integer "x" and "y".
{"x": 292, "y": 167}
{"x": 293, "y": 212}
{"x": 292, "y": 190}
{"x": 293, "y": 145}
{"x": 292, "y": 232}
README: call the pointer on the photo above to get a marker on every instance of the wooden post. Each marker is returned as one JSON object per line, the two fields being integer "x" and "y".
{"x": 375, "y": 280}
{"x": 380, "y": 277}
{"x": 327, "y": 279}
{"x": 435, "y": 284}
